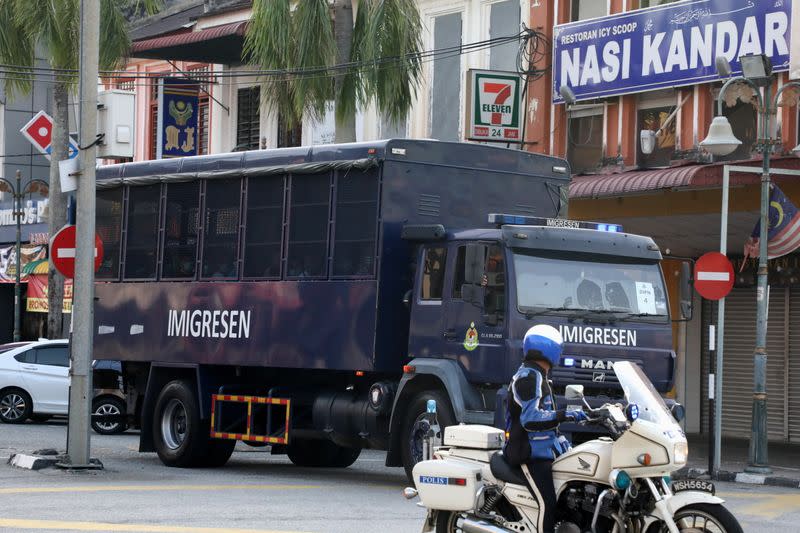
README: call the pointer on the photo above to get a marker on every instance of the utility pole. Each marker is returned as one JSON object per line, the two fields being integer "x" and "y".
{"x": 18, "y": 250}
{"x": 80, "y": 395}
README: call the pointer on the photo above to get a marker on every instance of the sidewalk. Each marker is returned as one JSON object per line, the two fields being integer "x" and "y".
{"x": 784, "y": 459}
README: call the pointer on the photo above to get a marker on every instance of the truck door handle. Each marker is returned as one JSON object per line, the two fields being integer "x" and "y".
{"x": 450, "y": 334}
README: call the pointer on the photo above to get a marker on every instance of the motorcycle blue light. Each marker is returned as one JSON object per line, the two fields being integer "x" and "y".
{"x": 620, "y": 479}
{"x": 569, "y": 361}
{"x": 632, "y": 411}
{"x": 667, "y": 479}
{"x": 431, "y": 406}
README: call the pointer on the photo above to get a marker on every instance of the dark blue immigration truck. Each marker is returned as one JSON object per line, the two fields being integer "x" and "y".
{"x": 314, "y": 299}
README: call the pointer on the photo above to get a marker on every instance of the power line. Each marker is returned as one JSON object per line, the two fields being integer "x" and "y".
{"x": 35, "y": 74}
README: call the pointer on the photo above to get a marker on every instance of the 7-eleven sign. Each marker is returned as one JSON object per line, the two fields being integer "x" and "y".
{"x": 494, "y": 107}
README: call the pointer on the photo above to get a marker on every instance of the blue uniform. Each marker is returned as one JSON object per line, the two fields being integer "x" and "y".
{"x": 532, "y": 417}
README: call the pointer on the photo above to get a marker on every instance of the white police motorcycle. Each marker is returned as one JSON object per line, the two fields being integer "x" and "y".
{"x": 616, "y": 484}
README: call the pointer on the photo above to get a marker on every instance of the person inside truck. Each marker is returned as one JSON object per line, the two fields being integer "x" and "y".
{"x": 532, "y": 419}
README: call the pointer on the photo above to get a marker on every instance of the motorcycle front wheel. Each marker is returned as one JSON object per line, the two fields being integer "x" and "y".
{"x": 701, "y": 518}
{"x": 448, "y": 522}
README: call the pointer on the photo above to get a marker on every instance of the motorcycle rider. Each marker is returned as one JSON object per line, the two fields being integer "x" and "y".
{"x": 532, "y": 419}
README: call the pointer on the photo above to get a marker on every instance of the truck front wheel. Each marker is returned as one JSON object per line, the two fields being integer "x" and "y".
{"x": 412, "y": 432}
{"x": 181, "y": 436}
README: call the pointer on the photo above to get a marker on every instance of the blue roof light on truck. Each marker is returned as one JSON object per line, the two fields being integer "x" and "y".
{"x": 500, "y": 219}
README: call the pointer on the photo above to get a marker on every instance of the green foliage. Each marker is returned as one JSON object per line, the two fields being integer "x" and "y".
{"x": 272, "y": 47}
{"x": 384, "y": 67}
{"x": 391, "y": 29}
{"x": 316, "y": 49}
{"x": 54, "y": 25}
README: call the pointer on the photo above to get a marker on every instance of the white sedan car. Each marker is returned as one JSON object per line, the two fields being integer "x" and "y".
{"x": 34, "y": 380}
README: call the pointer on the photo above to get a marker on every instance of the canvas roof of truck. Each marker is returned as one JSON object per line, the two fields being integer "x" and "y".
{"x": 319, "y": 158}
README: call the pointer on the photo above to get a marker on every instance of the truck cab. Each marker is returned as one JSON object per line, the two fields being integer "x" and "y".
{"x": 478, "y": 291}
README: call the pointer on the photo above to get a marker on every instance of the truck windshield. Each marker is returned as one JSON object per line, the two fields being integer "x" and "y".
{"x": 547, "y": 284}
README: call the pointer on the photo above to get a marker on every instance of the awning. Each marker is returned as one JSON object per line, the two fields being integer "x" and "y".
{"x": 684, "y": 177}
{"x": 220, "y": 44}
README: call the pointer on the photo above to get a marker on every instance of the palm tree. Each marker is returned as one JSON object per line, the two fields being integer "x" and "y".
{"x": 52, "y": 28}
{"x": 325, "y": 55}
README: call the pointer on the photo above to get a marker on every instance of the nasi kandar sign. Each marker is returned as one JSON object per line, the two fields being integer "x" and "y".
{"x": 494, "y": 106}
{"x": 666, "y": 46}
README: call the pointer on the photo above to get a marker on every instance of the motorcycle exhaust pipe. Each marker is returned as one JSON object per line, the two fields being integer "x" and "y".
{"x": 469, "y": 525}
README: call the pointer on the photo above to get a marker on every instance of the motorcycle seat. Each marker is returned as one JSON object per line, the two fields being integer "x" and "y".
{"x": 504, "y": 471}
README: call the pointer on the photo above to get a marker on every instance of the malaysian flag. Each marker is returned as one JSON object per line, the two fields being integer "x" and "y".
{"x": 784, "y": 228}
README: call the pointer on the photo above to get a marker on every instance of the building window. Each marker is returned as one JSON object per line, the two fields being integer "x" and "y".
{"x": 125, "y": 84}
{"x": 180, "y": 230}
{"x": 221, "y": 228}
{"x": 588, "y": 9}
{"x": 653, "y": 110}
{"x": 264, "y": 235}
{"x": 108, "y": 223}
{"x": 446, "y": 88}
{"x": 739, "y": 108}
{"x": 141, "y": 241}
{"x": 202, "y": 74}
{"x": 356, "y": 223}
{"x": 504, "y": 21}
{"x": 308, "y": 225}
{"x": 432, "y": 285}
{"x": 248, "y": 119}
{"x": 585, "y": 140}
{"x": 289, "y": 136}
{"x": 153, "y": 144}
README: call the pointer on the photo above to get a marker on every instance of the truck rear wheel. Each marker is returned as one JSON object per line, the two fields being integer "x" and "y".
{"x": 181, "y": 436}
{"x": 321, "y": 453}
{"x": 412, "y": 431}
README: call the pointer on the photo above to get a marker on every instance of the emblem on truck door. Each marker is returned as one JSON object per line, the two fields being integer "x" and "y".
{"x": 471, "y": 338}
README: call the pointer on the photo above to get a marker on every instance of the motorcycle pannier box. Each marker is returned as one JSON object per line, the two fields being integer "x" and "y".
{"x": 474, "y": 436}
{"x": 447, "y": 485}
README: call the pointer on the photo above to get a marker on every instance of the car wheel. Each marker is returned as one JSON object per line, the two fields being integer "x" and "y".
{"x": 108, "y": 406}
{"x": 15, "y": 406}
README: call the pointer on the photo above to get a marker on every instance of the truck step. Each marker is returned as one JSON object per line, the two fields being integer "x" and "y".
{"x": 250, "y": 418}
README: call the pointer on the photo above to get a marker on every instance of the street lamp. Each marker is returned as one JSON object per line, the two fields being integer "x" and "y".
{"x": 757, "y": 72}
{"x": 17, "y": 194}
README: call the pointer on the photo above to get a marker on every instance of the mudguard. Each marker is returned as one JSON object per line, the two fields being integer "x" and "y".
{"x": 680, "y": 500}
{"x": 686, "y": 497}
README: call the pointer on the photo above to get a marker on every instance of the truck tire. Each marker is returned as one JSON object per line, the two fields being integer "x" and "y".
{"x": 410, "y": 433}
{"x": 321, "y": 454}
{"x": 218, "y": 453}
{"x": 180, "y": 436}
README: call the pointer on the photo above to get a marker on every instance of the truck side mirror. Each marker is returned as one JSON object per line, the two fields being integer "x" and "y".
{"x": 687, "y": 307}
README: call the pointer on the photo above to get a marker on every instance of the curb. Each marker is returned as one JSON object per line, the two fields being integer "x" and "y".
{"x": 33, "y": 462}
{"x": 738, "y": 477}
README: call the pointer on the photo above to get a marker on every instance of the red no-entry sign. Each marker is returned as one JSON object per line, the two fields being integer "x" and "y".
{"x": 62, "y": 251}
{"x": 713, "y": 276}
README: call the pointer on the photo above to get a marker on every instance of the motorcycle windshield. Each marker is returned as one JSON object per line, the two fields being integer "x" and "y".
{"x": 640, "y": 391}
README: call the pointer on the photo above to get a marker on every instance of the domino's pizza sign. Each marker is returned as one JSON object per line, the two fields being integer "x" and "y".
{"x": 494, "y": 104}
{"x": 670, "y": 45}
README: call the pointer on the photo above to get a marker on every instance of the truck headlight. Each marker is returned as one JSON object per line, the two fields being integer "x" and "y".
{"x": 681, "y": 452}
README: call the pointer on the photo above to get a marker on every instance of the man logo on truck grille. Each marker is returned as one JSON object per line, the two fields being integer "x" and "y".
{"x": 471, "y": 339}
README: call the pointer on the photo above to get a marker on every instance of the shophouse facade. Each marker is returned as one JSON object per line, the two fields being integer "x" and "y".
{"x": 674, "y": 192}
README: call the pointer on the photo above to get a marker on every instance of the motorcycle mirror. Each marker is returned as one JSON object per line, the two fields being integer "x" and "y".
{"x": 678, "y": 411}
{"x": 574, "y": 392}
